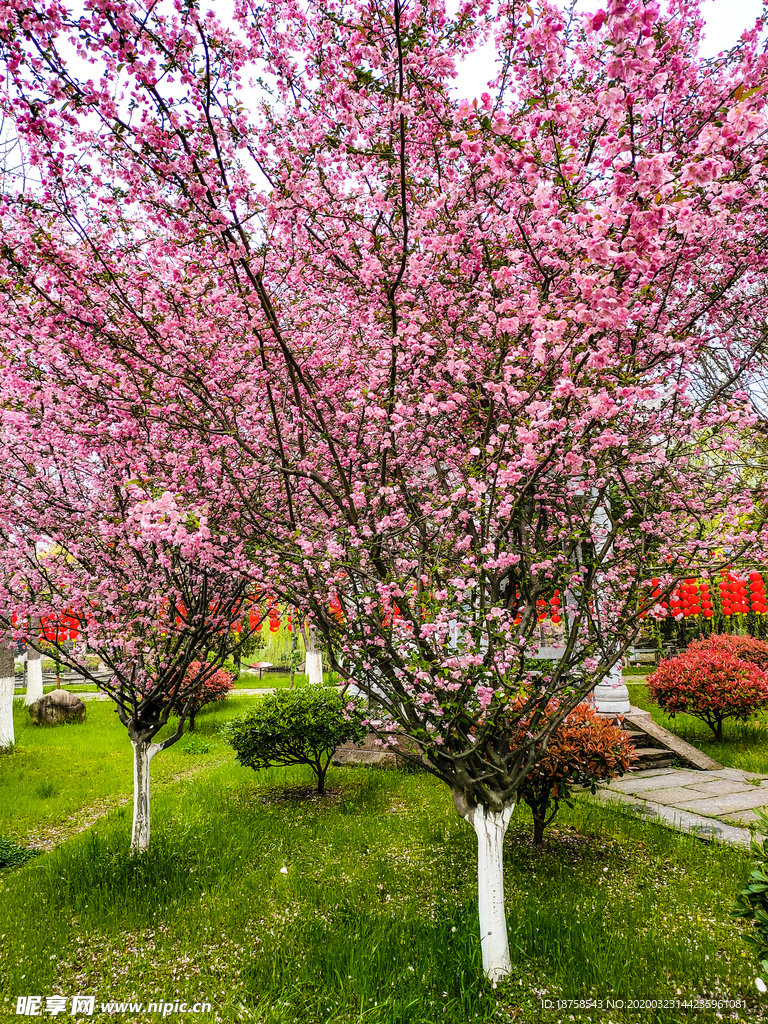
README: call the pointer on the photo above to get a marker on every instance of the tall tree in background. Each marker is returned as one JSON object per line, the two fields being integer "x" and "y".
{"x": 112, "y": 568}
{"x": 431, "y": 360}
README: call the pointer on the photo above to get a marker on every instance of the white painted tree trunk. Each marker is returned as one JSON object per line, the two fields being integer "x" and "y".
{"x": 7, "y": 686}
{"x": 34, "y": 676}
{"x": 314, "y": 659}
{"x": 142, "y": 758}
{"x": 491, "y": 827}
{"x": 7, "y": 738}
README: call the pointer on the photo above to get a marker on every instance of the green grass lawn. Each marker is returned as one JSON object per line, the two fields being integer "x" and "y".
{"x": 637, "y": 670}
{"x": 54, "y": 773}
{"x": 374, "y": 920}
{"x": 744, "y": 744}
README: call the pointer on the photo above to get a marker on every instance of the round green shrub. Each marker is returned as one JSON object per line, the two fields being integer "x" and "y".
{"x": 297, "y": 727}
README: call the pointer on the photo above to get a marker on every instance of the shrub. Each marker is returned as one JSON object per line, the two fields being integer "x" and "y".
{"x": 12, "y": 855}
{"x": 296, "y": 727}
{"x": 752, "y": 901}
{"x": 745, "y": 648}
{"x": 709, "y": 683}
{"x": 585, "y": 749}
{"x": 216, "y": 687}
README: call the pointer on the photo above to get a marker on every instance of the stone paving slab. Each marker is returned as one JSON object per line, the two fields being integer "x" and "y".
{"x": 681, "y": 821}
{"x": 713, "y": 807}
{"x": 739, "y": 818}
{"x": 674, "y": 796}
{"x": 633, "y": 784}
{"x": 722, "y": 787}
{"x": 737, "y": 773}
{"x": 712, "y": 804}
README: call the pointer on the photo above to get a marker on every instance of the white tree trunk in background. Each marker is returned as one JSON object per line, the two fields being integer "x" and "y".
{"x": 611, "y": 695}
{"x": 491, "y": 827}
{"x": 7, "y": 686}
{"x": 314, "y": 659}
{"x": 34, "y": 676}
{"x": 142, "y": 758}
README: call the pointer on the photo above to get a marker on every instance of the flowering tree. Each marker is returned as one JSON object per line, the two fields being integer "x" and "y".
{"x": 130, "y": 575}
{"x": 433, "y": 359}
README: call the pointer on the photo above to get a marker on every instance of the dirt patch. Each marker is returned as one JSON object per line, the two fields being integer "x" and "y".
{"x": 305, "y": 794}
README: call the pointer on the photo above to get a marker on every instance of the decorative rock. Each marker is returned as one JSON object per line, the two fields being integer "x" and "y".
{"x": 57, "y": 708}
{"x": 372, "y": 752}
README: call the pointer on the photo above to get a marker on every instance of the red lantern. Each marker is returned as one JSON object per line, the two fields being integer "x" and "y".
{"x": 337, "y": 611}
{"x": 725, "y": 596}
{"x": 757, "y": 586}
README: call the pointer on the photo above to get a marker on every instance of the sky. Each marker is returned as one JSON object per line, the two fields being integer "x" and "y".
{"x": 725, "y": 21}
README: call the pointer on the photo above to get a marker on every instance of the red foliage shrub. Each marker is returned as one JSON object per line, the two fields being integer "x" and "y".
{"x": 746, "y": 648}
{"x": 216, "y": 687}
{"x": 710, "y": 683}
{"x": 584, "y": 749}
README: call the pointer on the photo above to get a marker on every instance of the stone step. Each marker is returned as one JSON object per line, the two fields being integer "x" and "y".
{"x": 651, "y": 757}
{"x": 659, "y": 737}
{"x": 642, "y": 739}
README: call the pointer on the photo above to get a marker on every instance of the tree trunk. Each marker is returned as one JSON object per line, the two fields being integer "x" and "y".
{"x": 293, "y": 654}
{"x": 321, "y": 780}
{"x": 314, "y": 659}
{"x": 490, "y": 827}
{"x": 7, "y": 687}
{"x": 34, "y": 676}
{"x": 143, "y": 752}
{"x": 538, "y": 830}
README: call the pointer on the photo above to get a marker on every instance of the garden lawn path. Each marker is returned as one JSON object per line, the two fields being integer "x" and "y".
{"x": 713, "y": 804}
{"x": 53, "y": 835}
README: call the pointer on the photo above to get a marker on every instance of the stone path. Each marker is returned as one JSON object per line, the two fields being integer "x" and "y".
{"x": 712, "y": 804}
{"x": 93, "y": 695}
